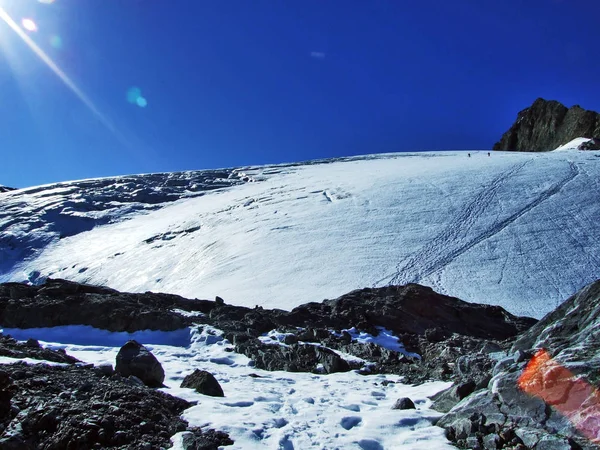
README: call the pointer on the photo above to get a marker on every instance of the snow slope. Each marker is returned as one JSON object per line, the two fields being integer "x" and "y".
{"x": 515, "y": 229}
{"x": 276, "y": 410}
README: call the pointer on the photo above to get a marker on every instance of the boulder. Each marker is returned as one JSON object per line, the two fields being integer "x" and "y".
{"x": 204, "y": 383}
{"x": 135, "y": 359}
{"x": 404, "y": 403}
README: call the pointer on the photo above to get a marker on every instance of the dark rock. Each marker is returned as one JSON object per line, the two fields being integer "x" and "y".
{"x": 290, "y": 339}
{"x": 546, "y": 125}
{"x": 445, "y": 400}
{"x": 408, "y": 309}
{"x": 61, "y": 302}
{"x": 196, "y": 439}
{"x": 203, "y": 382}
{"x": 592, "y": 144}
{"x": 293, "y": 358}
{"x": 135, "y": 359}
{"x": 6, "y": 189}
{"x": 568, "y": 336}
{"x": 105, "y": 412}
{"x": 105, "y": 369}
{"x": 11, "y": 348}
{"x": 34, "y": 343}
{"x": 435, "y": 334}
{"x": 404, "y": 403}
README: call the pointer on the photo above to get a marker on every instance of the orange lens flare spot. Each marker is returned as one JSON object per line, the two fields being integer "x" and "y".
{"x": 567, "y": 393}
{"x": 29, "y": 25}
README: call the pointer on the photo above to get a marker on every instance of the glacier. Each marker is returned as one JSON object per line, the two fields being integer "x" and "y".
{"x": 513, "y": 229}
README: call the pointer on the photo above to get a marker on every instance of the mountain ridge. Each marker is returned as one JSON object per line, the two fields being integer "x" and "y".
{"x": 548, "y": 124}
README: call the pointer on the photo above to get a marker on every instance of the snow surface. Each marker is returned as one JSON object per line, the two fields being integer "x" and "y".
{"x": 280, "y": 409}
{"x": 515, "y": 229}
{"x": 572, "y": 145}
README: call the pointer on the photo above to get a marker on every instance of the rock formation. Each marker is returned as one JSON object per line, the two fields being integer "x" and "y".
{"x": 548, "y": 124}
{"x": 544, "y": 393}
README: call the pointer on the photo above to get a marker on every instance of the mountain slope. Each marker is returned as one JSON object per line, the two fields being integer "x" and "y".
{"x": 548, "y": 124}
{"x": 513, "y": 229}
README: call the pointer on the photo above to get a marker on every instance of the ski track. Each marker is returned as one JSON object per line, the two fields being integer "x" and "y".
{"x": 427, "y": 261}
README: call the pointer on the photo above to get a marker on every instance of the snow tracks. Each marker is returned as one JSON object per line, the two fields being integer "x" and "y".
{"x": 464, "y": 231}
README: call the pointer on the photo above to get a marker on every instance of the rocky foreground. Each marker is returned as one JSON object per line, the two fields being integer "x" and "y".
{"x": 483, "y": 349}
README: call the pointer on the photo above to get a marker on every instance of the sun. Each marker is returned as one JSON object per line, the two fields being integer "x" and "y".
{"x": 29, "y": 25}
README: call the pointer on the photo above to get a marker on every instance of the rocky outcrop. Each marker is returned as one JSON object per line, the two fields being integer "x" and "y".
{"x": 548, "y": 124}
{"x": 11, "y": 348}
{"x": 6, "y": 189}
{"x": 79, "y": 407}
{"x": 203, "y": 382}
{"x": 439, "y": 328}
{"x": 136, "y": 360}
{"x": 60, "y": 302}
{"x": 592, "y": 144}
{"x": 544, "y": 393}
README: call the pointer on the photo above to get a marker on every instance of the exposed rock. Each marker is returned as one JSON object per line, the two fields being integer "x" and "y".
{"x": 207, "y": 440}
{"x": 439, "y": 328}
{"x": 592, "y": 144}
{"x": 404, "y": 403}
{"x": 11, "y": 348}
{"x": 445, "y": 400}
{"x": 546, "y": 125}
{"x": 569, "y": 338}
{"x": 6, "y": 189}
{"x": 293, "y": 358}
{"x": 60, "y": 302}
{"x": 136, "y": 360}
{"x": 203, "y": 382}
{"x": 408, "y": 309}
{"x": 63, "y": 407}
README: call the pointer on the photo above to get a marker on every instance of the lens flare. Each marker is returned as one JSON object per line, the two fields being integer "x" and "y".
{"x": 29, "y": 25}
{"x": 43, "y": 56}
{"x": 135, "y": 97}
{"x": 56, "y": 42}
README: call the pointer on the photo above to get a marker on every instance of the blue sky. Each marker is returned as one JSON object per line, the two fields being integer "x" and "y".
{"x": 239, "y": 82}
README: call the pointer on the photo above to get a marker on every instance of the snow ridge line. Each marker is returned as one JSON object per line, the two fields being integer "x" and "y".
{"x": 426, "y": 261}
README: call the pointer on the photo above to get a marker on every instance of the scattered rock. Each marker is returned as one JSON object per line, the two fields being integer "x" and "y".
{"x": 203, "y": 382}
{"x": 79, "y": 408}
{"x": 404, "y": 403}
{"x": 135, "y": 359}
{"x": 509, "y": 417}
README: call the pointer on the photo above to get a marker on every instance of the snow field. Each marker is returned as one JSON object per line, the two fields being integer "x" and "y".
{"x": 276, "y": 410}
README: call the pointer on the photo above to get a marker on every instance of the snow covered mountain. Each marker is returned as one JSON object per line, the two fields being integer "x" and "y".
{"x": 514, "y": 229}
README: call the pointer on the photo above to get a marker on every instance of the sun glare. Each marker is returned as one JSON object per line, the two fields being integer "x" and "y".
{"x": 29, "y": 25}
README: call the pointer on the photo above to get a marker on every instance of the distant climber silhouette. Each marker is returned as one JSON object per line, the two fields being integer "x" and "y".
{"x": 469, "y": 154}
{"x": 488, "y": 153}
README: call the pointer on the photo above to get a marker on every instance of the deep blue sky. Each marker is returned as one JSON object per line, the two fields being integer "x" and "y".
{"x": 238, "y": 82}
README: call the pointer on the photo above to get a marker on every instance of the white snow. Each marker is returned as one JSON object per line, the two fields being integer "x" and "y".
{"x": 572, "y": 145}
{"x": 515, "y": 229}
{"x": 385, "y": 339}
{"x": 278, "y": 409}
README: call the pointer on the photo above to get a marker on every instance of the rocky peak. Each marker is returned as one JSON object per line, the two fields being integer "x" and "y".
{"x": 6, "y": 188}
{"x": 548, "y": 124}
